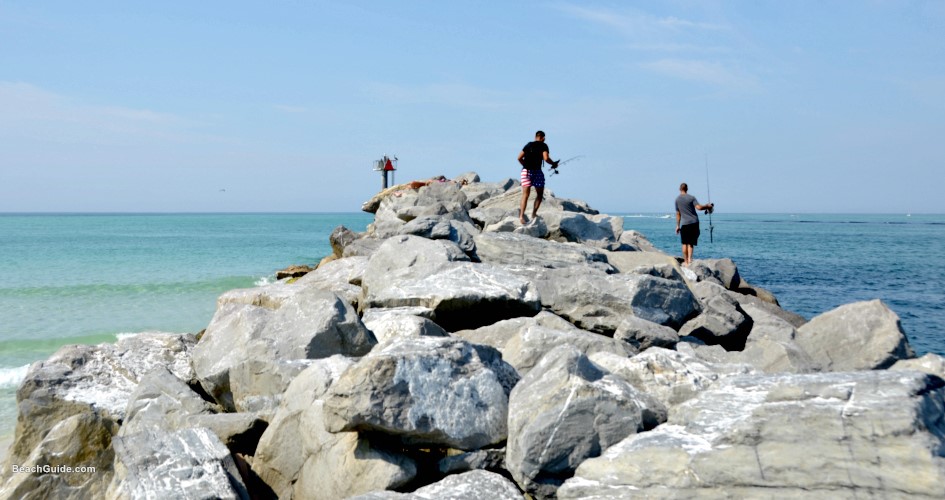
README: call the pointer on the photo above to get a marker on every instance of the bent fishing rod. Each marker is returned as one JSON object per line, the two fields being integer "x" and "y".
{"x": 709, "y": 192}
{"x": 554, "y": 169}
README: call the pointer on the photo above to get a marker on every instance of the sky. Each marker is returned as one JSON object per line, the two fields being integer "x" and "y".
{"x": 282, "y": 106}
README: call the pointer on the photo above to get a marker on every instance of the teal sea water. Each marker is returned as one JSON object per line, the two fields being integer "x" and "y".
{"x": 76, "y": 278}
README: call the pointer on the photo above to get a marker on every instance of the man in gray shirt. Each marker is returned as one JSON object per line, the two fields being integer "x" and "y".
{"x": 687, "y": 221}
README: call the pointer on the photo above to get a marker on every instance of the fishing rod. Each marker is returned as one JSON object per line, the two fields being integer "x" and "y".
{"x": 554, "y": 169}
{"x": 709, "y": 192}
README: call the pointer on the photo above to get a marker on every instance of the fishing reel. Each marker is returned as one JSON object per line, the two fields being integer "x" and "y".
{"x": 709, "y": 210}
{"x": 554, "y": 170}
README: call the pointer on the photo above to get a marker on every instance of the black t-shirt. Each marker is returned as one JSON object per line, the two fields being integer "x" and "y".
{"x": 534, "y": 154}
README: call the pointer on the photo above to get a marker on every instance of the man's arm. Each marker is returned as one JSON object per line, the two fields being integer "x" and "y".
{"x": 521, "y": 158}
{"x": 678, "y": 218}
{"x": 700, "y": 207}
{"x": 548, "y": 159}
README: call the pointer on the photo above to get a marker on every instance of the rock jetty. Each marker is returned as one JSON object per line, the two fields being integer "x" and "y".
{"x": 450, "y": 352}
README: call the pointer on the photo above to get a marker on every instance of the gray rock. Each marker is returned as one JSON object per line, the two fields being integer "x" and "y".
{"x": 719, "y": 271}
{"x": 470, "y": 485}
{"x": 490, "y": 217}
{"x": 427, "y": 390}
{"x": 340, "y": 238}
{"x": 931, "y": 363}
{"x": 189, "y": 463}
{"x": 668, "y": 376}
{"x": 522, "y": 250}
{"x": 599, "y": 302}
{"x": 645, "y": 262}
{"x": 258, "y": 384}
{"x": 470, "y": 178}
{"x": 163, "y": 401}
{"x": 461, "y": 294}
{"x": 776, "y": 356}
{"x": 721, "y": 322}
{"x": 511, "y": 200}
{"x": 478, "y": 192}
{"x": 344, "y": 464}
{"x": 600, "y": 231}
{"x": 308, "y": 324}
{"x": 567, "y": 410}
{"x": 401, "y": 253}
{"x": 833, "y": 435}
{"x": 643, "y": 334}
{"x": 387, "y": 325}
{"x": 536, "y": 228}
{"x": 80, "y": 379}
{"x": 362, "y": 247}
{"x": 341, "y": 276}
{"x": 281, "y": 453}
{"x": 443, "y": 228}
{"x": 796, "y": 320}
{"x": 523, "y": 341}
{"x": 766, "y": 325}
{"x": 635, "y": 241}
{"x": 858, "y": 336}
{"x": 81, "y": 440}
{"x": 489, "y": 459}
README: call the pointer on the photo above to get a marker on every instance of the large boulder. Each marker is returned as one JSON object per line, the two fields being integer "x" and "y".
{"x": 670, "y": 377}
{"x": 722, "y": 320}
{"x": 477, "y": 484}
{"x": 341, "y": 276}
{"x": 567, "y": 410}
{"x": 521, "y": 250}
{"x": 523, "y": 341}
{"x": 478, "y": 192}
{"x": 257, "y": 385}
{"x": 428, "y": 390}
{"x": 461, "y": 294}
{"x": 599, "y": 302}
{"x": 643, "y": 334}
{"x": 722, "y": 272}
{"x": 512, "y": 199}
{"x": 858, "y": 336}
{"x": 400, "y": 253}
{"x": 873, "y": 434}
{"x": 460, "y": 232}
{"x": 307, "y": 324}
{"x": 645, "y": 262}
{"x": 635, "y": 241}
{"x": 188, "y": 463}
{"x": 99, "y": 380}
{"x": 390, "y": 324}
{"x": 599, "y": 231}
{"x": 931, "y": 363}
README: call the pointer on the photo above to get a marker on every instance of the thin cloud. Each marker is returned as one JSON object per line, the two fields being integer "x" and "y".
{"x": 700, "y": 71}
{"x": 636, "y": 24}
{"x": 449, "y": 94}
{"x": 290, "y": 109}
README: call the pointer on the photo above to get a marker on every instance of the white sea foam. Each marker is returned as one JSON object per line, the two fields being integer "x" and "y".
{"x": 265, "y": 280}
{"x": 644, "y": 216}
{"x": 11, "y": 377}
{"x": 124, "y": 335}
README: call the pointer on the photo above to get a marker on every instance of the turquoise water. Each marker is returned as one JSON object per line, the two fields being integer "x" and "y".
{"x": 88, "y": 278}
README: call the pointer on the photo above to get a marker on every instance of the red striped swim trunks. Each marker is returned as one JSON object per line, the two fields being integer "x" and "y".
{"x": 533, "y": 178}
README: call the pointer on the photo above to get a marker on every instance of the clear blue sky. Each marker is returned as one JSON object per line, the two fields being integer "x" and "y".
{"x": 159, "y": 106}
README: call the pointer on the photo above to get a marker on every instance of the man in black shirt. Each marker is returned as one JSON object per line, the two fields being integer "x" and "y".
{"x": 532, "y": 156}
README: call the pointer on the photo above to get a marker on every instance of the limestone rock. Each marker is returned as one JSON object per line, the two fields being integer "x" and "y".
{"x": 523, "y": 341}
{"x": 388, "y": 324}
{"x": 766, "y": 325}
{"x": 643, "y": 334}
{"x": 668, "y": 376}
{"x": 722, "y": 321}
{"x": 189, "y": 463}
{"x": 931, "y": 363}
{"x": 599, "y": 302}
{"x": 308, "y": 324}
{"x": 80, "y": 379}
{"x": 635, "y": 241}
{"x": 340, "y": 238}
{"x": 296, "y": 271}
{"x": 522, "y": 250}
{"x": 720, "y": 271}
{"x": 858, "y": 336}
{"x": 645, "y": 262}
{"x": 427, "y": 390}
{"x": 511, "y": 200}
{"x": 488, "y": 459}
{"x": 461, "y": 294}
{"x": 281, "y": 453}
{"x": 341, "y": 276}
{"x": 872, "y": 434}
{"x": 566, "y": 410}
{"x": 476, "y": 484}
{"x": 400, "y": 253}
{"x": 81, "y": 440}
{"x": 257, "y": 385}
{"x": 796, "y": 320}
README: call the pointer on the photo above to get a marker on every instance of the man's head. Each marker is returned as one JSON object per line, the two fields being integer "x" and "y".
{"x": 684, "y": 188}
{"x": 540, "y": 136}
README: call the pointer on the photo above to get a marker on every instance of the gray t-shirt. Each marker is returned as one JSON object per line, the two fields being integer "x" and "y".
{"x": 686, "y": 206}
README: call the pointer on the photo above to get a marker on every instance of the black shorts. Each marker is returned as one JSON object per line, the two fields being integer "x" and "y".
{"x": 690, "y": 234}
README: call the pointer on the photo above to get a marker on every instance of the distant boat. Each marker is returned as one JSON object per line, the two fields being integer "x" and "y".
{"x": 908, "y": 215}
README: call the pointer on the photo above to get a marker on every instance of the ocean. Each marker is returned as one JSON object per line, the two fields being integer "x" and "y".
{"x": 90, "y": 278}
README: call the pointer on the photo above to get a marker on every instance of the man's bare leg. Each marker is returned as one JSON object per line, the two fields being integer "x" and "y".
{"x": 539, "y": 195}
{"x": 521, "y": 212}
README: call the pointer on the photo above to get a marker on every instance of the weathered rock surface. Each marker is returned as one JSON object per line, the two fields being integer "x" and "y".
{"x": 858, "y": 336}
{"x": 933, "y": 364}
{"x": 257, "y": 385}
{"x": 189, "y": 463}
{"x": 390, "y": 324}
{"x": 722, "y": 272}
{"x": 834, "y": 435}
{"x": 461, "y": 294}
{"x": 489, "y": 459}
{"x": 722, "y": 320}
{"x": 643, "y": 334}
{"x": 645, "y": 262}
{"x": 522, "y": 250}
{"x": 427, "y": 390}
{"x": 523, "y": 341}
{"x": 635, "y": 241}
{"x": 470, "y": 485}
{"x": 307, "y": 324}
{"x": 599, "y": 302}
{"x": 342, "y": 276}
{"x": 566, "y": 410}
{"x": 296, "y": 271}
